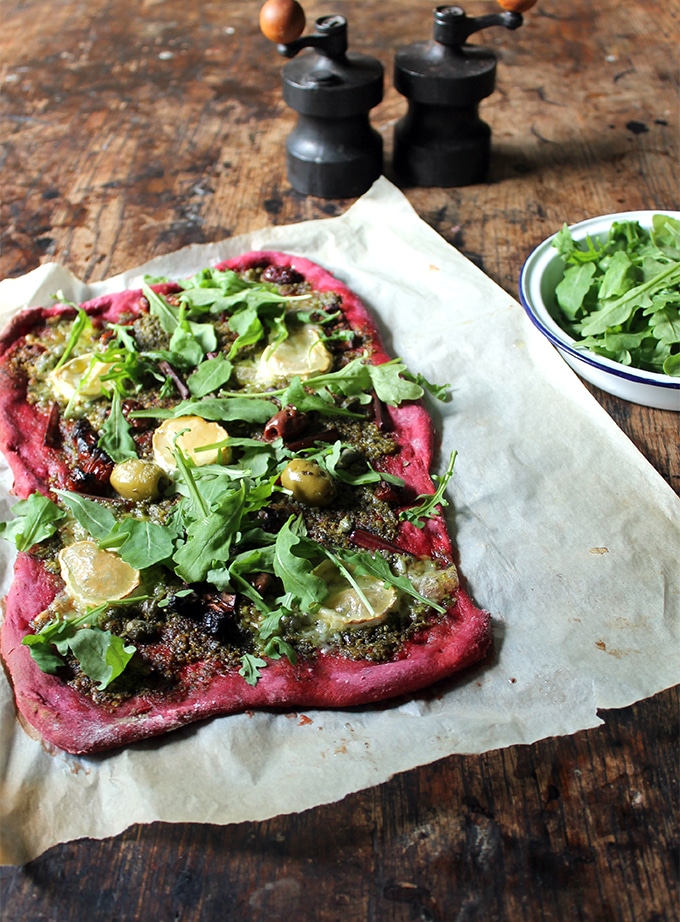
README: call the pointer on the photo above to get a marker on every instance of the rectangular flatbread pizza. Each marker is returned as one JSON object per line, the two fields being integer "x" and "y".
{"x": 225, "y": 502}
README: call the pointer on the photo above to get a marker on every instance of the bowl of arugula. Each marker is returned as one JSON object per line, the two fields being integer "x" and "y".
{"x": 606, "y": 293}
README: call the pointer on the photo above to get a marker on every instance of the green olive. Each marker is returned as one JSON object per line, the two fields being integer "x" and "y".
{"x": 136, "y": 479}
{"x": 308, "y": 482}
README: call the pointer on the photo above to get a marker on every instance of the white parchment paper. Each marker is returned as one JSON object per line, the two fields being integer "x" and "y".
{"x": 566, "y": 535}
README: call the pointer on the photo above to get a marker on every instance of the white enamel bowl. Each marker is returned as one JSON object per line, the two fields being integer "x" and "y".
{"x": 539, "y": 277}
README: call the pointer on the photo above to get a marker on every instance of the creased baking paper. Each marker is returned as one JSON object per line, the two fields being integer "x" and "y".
{"x": 566, "y": 535}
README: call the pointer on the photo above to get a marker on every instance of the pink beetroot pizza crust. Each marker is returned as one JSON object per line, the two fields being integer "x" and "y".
{"x": 73, "y": 722}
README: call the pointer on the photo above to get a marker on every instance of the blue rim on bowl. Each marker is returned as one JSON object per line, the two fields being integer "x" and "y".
{"x": 541, "y": 272}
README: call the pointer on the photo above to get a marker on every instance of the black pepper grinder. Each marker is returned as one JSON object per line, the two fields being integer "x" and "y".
{"x": 441, "y": 141}
{"x": 333, "y": 152}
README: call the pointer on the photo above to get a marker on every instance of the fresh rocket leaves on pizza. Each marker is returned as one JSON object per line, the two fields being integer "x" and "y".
{"x": 225, "y": 502}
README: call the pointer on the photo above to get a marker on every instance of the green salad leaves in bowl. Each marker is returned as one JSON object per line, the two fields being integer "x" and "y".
{"x": 606, "y": 293}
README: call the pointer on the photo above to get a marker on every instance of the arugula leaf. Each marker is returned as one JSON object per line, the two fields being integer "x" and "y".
{"x": 81, "y": 323}
{"x": 254, "y": 560}
{"x": 258, "y": 458}
{"x": 191, "y": 341}
{"x": 57, "y": 632}
{"x": 277, "y": 647}
{"x": 272, "y": 623}
{"x": 123, "y": 336}
{"x": 427, "y": 508}
{"x": 101, "y": 654}
{"x": 570, "y": 252}
{"x": 43, "y": 654}
{"x": 574, "y": 287}
{"x": 200, "y": 506}
{"x": 617, "y": 278}
{"x": 203, "y": 333}
{"x": 141, "y": 543}
{"x": 159, "y": 307}
{"x": 352, "y": 380}
{"x": 35, "y": 519}
{"x": 391, "y": 385}
{"x": 95, "y": 517}
{"x": 671, "y": 365}
{"x": 303, "y": 398}
{"x": 294, "y": 559}
{"x": 440, "y": 392}
{"x": 205, "y": 485}
{"x": 250, "y": 669}
{"x": 247, "y": 325}
{"x": 320, "y": 316}
{"x": 210, "y": 376}
{"x": 376, "y": 565}
{"x": 665, "y": 235}
{"x": 331, "y": 458}
{"x": 186, "y": 348}
{"x": 237, "y": 407}
{"x": 130, "y": 368}
{"x": 116, "y": 438}
{"x": 209, "y": 540}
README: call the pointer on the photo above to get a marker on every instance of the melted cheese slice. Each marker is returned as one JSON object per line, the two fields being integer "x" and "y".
{"x": 302, "y": 354}
{"x": 191, "y": 435}
{"x": 94, "y": 576}
{"x": 343, "y": 609}
{"x": 81, "y": 378}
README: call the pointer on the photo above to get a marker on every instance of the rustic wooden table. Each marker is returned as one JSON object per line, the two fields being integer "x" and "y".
{"x": 132, "y": 129}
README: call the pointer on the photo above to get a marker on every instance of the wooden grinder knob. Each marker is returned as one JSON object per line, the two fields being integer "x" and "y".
{"x": 517, "y": 6}
{"x": 282, "y": 21}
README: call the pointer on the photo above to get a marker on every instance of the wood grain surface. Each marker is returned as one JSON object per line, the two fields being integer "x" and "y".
{"x": 132, "y": 129}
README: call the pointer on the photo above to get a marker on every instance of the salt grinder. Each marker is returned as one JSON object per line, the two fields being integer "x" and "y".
{"x": 441, "y": 141}
{"x": 333, "y": 152}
